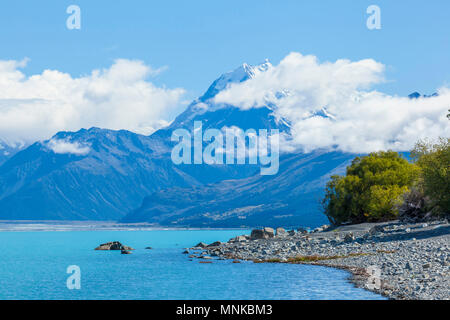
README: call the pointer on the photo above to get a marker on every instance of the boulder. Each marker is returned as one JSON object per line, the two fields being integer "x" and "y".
{"x": 257, "y": 234}
{"x": 215, "y": 244}
{"x": 114, "y": 245}
{"x": 270, "y": 232}
{"x": 302, "y": 230}
{"x": 349, "y": 237}
{"x": 373, "y": 231}
{"x": 291, "y": 232}
{"x": 238, "y": 239}
{"x": 125, "y": 252}
{"x": 281, "y": 232}
{"x": 201, "y": 245}
{"x": 265, "y": 233}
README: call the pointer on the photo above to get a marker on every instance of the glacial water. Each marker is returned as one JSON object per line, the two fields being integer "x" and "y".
{"x": 33, "y": 266}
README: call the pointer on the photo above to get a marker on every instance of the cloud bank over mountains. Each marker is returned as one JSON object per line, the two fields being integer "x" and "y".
{"x": 331, "y": 105}
{"x": 119, "y": 97}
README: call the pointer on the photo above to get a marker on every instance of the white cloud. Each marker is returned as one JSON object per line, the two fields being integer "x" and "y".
{"x": 360, "y": 119}
{"x": 119, "y": 97}
{"x": 63, "y": 146}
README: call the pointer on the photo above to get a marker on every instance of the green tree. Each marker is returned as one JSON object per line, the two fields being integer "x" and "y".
{"x": 434, "y": 182}
{"x": 371, "y": 189}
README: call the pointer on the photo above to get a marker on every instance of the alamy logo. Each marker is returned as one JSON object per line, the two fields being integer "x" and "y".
{"x": 229, "y": 146}
{"x": 374, "y": 20}
{"x": 74, "y": 280}
{"x": 374, "y": 279}
{"x": 74, "y": 20}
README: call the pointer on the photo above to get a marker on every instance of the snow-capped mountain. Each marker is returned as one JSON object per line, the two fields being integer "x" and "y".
{"x": 215, "y": 115}
{"x": 100, "y": 174}
{"x": 241, "y": 74}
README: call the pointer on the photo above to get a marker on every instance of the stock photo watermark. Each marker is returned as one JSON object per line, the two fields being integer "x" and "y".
{"x": 374, "y": 20}
{"x": 230, "y": 146}
{"x": 374, "y": 280}
{"x": 73, "y": 22}
{"x": 73, "y": 282}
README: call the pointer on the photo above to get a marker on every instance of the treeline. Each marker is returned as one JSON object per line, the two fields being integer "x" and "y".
{"x": 386, "y": 186}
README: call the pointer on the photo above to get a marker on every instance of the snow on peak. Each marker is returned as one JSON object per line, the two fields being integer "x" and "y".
{"x": 206, "y": 104}
{"x": 241, "y": 74}
{"x": 323, "y": 113}
{"x": 252, "y": 71}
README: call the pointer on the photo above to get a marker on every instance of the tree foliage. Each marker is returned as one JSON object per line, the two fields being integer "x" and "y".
{"x": 371, "y": 189}
{"x": 434, "y": 163}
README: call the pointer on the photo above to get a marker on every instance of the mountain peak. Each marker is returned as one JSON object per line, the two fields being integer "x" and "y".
{"x": 252, "y": 71}
{"x": 414, "y": 95}
{"x": 241, "y": 74}
{"x": 417, "y": 95}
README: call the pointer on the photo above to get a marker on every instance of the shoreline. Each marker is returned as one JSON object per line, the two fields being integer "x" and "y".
{"x": 358, "y": 277}
{"x": 62, "y": 226}
{"x": 396, "y": 260}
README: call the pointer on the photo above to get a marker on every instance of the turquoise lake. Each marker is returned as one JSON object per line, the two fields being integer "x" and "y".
{"x": 33, "y": 266}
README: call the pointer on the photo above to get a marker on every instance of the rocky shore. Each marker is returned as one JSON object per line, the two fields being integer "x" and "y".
{"x": 397, "y": 260}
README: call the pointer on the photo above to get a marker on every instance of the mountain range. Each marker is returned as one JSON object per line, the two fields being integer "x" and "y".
{"x": 101, "y": 174}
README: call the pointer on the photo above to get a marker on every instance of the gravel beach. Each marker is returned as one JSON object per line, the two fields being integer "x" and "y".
{"x": 397, "y": 260}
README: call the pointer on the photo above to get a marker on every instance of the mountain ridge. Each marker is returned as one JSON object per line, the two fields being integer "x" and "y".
{"x": 102, "y": 174}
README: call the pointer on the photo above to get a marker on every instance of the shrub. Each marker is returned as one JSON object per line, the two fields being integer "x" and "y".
{"x": 434, "y": 182}
{"x": 371, "y": 190}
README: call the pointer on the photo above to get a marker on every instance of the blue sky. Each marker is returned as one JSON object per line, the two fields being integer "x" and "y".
{"x": 198, "y": 40}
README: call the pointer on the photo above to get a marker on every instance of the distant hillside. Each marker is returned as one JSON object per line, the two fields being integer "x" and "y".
{"x": 290, "y": 198}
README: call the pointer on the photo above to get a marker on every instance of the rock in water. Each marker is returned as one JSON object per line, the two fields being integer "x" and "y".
{"x": 201, "y": 245}
{"x": 114, "y": 245}
{"x": 215, "y": 244}
{"x": 125, "y": 252}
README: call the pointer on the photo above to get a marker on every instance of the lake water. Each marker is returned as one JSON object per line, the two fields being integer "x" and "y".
{"x": 33, "y": 266}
